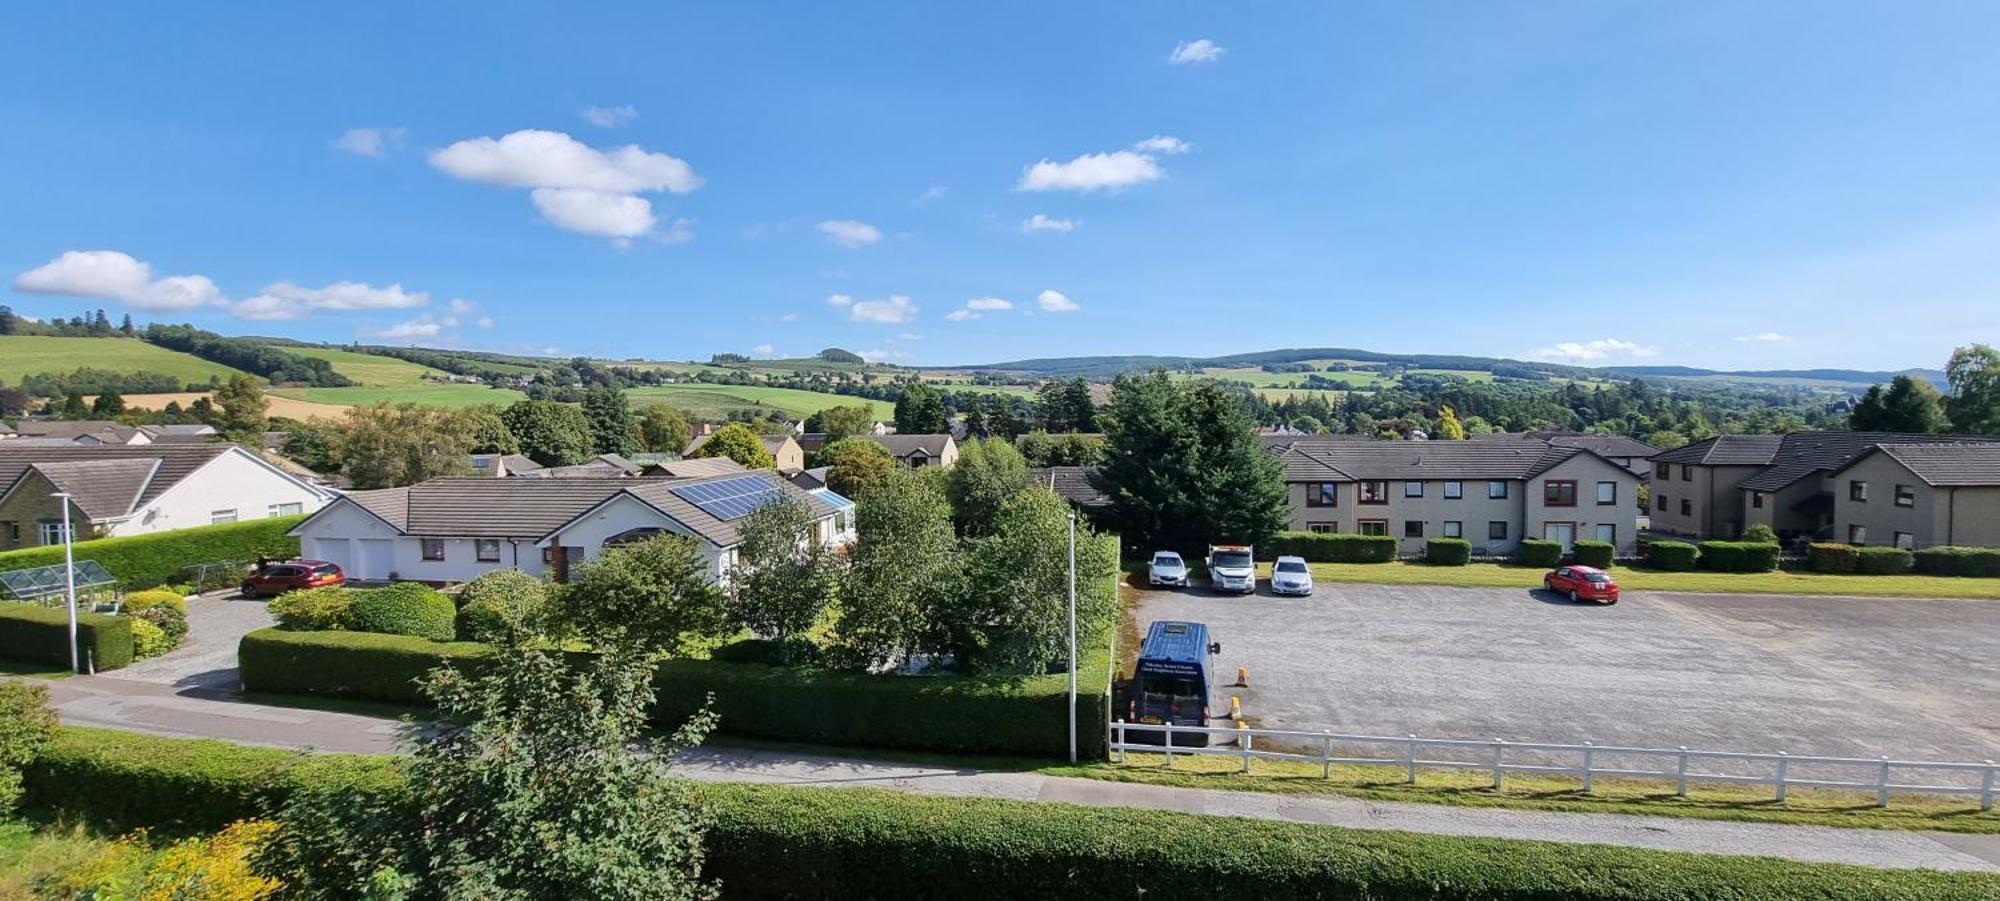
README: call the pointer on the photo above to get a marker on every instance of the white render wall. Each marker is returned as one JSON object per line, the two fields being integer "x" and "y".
{"x": 625, "y": 513}
{"x": 231, "y": 481}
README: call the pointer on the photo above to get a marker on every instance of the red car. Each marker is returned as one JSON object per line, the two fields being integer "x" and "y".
{"x": 277, "y": 578}
{"x": 1582, "y": 583}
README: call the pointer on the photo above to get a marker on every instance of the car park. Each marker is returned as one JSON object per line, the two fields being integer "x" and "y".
{"x": 1172, "y": 680}
{"x": 273, "y": 579}
{"x": 1582, "y": 583}
{"x": 1232, "y": 567}
{"x": 1167, "y": 569}
{"x": 1290, "y": 575}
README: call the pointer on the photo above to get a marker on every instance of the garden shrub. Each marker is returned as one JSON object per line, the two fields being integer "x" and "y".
{"x": 1738, "y": 556}
{"x": 40, "y": 634}
{"x": 1541, "y": 552}
{"x": 155, "y": 597}
{"x": 148, "y": 640}
{"x": 1334, "y": 547}
{"x": 1448, "y": 551}
{"x": 500, "y": 601}
{"x": 1883, "y": 561}
{"x": 1593, "y": 553}
{"x": 348, "y": 664}
{"x": 312, "y": 609}
{"x": 405, "y": 608}
{"x": 171, "y": 621}
{"x": 1832, "y": 558}
{"x": 143, "y": 561}
{"x": 1672, "y": 556}
{"x": 1947, "y": 560}
{"x": 27, "y": 726}
{"x": 1759, "y": 533}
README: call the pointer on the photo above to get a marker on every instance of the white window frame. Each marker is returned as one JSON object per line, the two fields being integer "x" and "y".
{"x": 218, "y": 517}
{"x": 50, "y": 531}
{"x": 291, "y": 509}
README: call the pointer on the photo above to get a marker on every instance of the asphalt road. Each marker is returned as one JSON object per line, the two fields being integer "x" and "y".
{"x": 1913, "y": 679}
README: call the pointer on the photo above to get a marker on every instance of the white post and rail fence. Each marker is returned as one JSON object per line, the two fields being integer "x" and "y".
{"x": 1882, "y": 775}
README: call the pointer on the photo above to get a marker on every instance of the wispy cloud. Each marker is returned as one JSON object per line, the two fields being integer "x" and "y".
{"x": 1042, "y": 223}
{"x": 1591, "y": 351}
{"x": 1112, "y": 171}
{"x": 608, "y": 116}
{"x": 892, "y": 310}
{"x": 1764, "y": 338}
{"x": 1166, "y": 145}
{"x": 1195, "y": 52}
{"x": 849, "y": 232}
{"x": 374, "y": 143}
{"x": 934, "y": 192}
{"x": 978, "y": 307}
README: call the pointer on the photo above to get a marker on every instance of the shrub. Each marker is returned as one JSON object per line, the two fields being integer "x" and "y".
{"x": 1448, "y": 551}
{"x": 348, "y": 664}
{"x": 40, "y": 634}
{"x": 148, "y": 640}
{"x": 171, "y": 621}
{"x": 1541, "y": 552}
{"x": 1959, "y": 561}
{"x": 1738, "y": 556}
{"x": 27, "y": 725}
{"x": 1760, "y": 533}
{"x": 313, "y": 609}
{"x": 1884, "y": 561}
{"x": 500, "y": 601}
{"x": 155, "y": 597}
{"x": 1673, "y": 556}
{"x": 1335, "y": 547}
{"x": 143, "y": 561}
{"x": 405, "y": 608}
{"x": 1832, "y": 558}
{"x": 1593, "y": 553}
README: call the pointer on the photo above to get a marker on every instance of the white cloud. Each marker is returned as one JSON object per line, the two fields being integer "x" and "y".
{"x": 907, "y": 336}
{"x": 679, "y": 231}
{"x": 575, "y": 186}
{"x": 110, "y": 275}
{"x": 961, "y": 315}
{"x": 1041, "y": 223}
{"x": 932, "y": 193}
{"x": 1765, "y": 338}
{"x": 1590, "y": 351}
{"x": 1053, "y": 301}
{"x": 877, "y": 355}
{"x": 422, "y": 327}
{"x": 374, "y": 143}
{"x": 1166, "y": 145}
{"x": 891, "y": 310}
{"x": 989, "y": 303}
{"x": 1199, "y": 50}
{"x": 285, "y": 300}
{"x": 608, "y": 116}
{"x": 764, "y": 349}
{"x": 461, "y": 307}
{"x": 849, "y": 232}
{"x": 839, "y": 300}
{"x": 1091, "y": 172}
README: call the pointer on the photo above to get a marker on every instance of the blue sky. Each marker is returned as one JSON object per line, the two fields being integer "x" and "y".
{"x": 1717, "y": 184}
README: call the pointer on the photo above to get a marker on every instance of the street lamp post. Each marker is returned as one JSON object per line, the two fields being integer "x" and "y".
{"x": 1072, "y": 636}
{"x": 69, "y": 577}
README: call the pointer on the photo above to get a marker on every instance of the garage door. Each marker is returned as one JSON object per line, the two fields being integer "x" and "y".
{"x": 332, "y": 550}
{"x": 376, "y": 558}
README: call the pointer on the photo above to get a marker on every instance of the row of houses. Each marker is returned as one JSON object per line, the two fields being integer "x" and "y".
{"x": 97, "y": 432}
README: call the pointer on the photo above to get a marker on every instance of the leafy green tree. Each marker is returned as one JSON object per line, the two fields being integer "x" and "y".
{"x": 1909, "y": 405}
{"x": 243, "y": 409}
{"x": 27, "y": 727}
{"x": 662, "y": 429}
{"x": 1667, "y": 439}
{"x": 844, "y": 421}
{"x": 784, "y": 577}
{"x": 609, "y": 414}
{"x": 920, "y": 410}
{"x": 857, "y": 466}
{"x": 905, "y": 572}
{"x": 73, "y": 406}
{"x": 740, "y": 443}
{"x": 1015, "y": 616}
{"x": 987, "y": 475}
{"x": 109, "y": 405}
{"x": 1448, "y": 426}
{"x": 314, "y": 444}
{"x": 550, "y": 433}
{"x": 389, "y": 445}
{"x": 653, "y": 596}
{"x": 1974, "y": 405}
{"x": 545, "y": 787}
{"x": 490, "y": 434}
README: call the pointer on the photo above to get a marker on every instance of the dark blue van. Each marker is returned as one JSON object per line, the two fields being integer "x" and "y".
{"x": 1172, "y": 680}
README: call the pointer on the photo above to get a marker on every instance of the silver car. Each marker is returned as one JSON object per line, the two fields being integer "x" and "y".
{"x": 1167, "y": 568}
{"x": 1290, "y": 575}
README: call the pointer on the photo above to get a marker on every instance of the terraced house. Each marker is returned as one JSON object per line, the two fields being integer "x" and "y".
{"x": 1493, "y": 493}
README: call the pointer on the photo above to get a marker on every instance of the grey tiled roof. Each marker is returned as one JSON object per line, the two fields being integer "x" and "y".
{"x": 1376, "y": 460}
{"x": 694, "y": 467}
{"x": 1802, "y": 454}
{"x": 102, "y": 489}
{"x": 903, "y": 445}
{"x": 1602, "y": 445}
{"x": 72, "y": 429}
{"x": 173, "y": 461}
{"x": 1949, "y": 465}
{"x": 1072, "y": 482}
{"x": 1725, "y": 450}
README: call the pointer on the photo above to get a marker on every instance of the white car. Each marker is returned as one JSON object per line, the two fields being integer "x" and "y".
{"x": 1167, "y": 568}
{"x": 1291, "y": 576}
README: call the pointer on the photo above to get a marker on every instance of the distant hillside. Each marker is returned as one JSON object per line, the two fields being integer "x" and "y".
{"x": 1859, "y": 377}
{"x": 23, "y": 355}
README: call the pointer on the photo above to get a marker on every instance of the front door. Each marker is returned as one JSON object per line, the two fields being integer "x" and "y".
{"x": 1564, "y": 532}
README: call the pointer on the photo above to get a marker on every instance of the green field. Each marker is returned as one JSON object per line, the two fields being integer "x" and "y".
{"x": 424, "y": 393}
{"x": 22, "y": 355}
{"x": 715, "y": 401}
{"x": 370, "y": 370}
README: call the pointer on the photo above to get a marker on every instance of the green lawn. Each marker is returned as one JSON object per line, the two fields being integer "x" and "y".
{"x": 435, "y": 395}
{"x": 371, "y": 370}
{"x": 716, "y": 400}
{"x": 1498, "y": 575}
{"x": 22, "y": 355}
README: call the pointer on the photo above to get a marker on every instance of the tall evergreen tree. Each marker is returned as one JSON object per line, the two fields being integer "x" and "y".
{"x": 1150, "y": 462}
{"x": 920, "y": 410}
{"x": 610, "y": 416}
{"x": 1241, "y": 495}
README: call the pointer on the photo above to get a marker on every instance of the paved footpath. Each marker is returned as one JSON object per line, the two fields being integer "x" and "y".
{"x": 217, "y": 713}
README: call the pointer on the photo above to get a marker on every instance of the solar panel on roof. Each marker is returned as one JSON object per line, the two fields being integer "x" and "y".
{"x": 833, "y": 500}
{"x": 731, "y": 498}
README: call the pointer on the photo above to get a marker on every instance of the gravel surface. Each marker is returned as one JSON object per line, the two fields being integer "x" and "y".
{"x": 207, "y": 657}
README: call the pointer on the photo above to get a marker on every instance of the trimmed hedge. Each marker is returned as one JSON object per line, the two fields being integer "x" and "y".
{"x": 143, "y": 561}
{"x": 1335, "y": 547}
{"x": 1739, "y": 556}
{"x": 1448, "y": 551}
{"x": 346, "y": 664}
{"x": 405, "y": 608}
{"x": 1832, "y": 557}
{"x": 770, "y": 841}
{"x": 312, "y": 609}
{"x": 1672, "y": 556}
{"x": 1946, "y": 560}
{"x": 1884, "y": 561}
{"x": 40, "y": 634}
{"x": 1593, "y": 553}
{"x": 1541, "y": 552}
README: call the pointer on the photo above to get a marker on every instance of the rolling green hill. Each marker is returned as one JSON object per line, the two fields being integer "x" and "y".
{"x": 715, "y": 401}
{"x": 427, "y": 393}
{"x": 370, "y": 370}
{"x": 22, "y": 355}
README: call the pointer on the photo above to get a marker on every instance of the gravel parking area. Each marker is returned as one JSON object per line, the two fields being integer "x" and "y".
{"x": 207, "y": 657}
{"x": 1827, "y": 676}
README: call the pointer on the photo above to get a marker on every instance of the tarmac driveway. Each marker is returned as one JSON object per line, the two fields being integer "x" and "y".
{"x": 1809, "y": 675}
{"x": 207, "y": 657}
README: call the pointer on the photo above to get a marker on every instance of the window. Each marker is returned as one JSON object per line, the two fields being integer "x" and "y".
{"x": 1374, "y": 492}
{"x": 487, "y": 550}
{"x": 1666, "y": 470}
{"x": 1454, "y": 529}
{"x": 1413, "y": 528}
{"x": 1323, "y": 528}
{"x": 1496, "y": 530}
{"x": 1905, "y": 540}
{"x": 1687, "y": 507}
{"x": 1413, "y": 489}
{"x": 11, "y": 531}
{"x": 548, "y": 556}
{"x": 1757, "y": 500}
{"x": 1607, "y": 533}
{"x": 49, "y": 531}
{"x": 1373, "y": 526}
{"x": 285, "y": 510}
{"x": 1660, "y": 503}
{"x": 1857, "y": 534}
{"x": 1857, "y": 490}
{"x": 1687, "y": 473}
{"x": 1454, "y": 490}
{"x": 221, "y": 516}
{"x": 1559, "y": 493}
{"x": 1607, "y": 493}
{"x": 1321, "y": 494}
{"x": 1496, "y": 490}
{"x": 1906, "y": 496}
{"x": 433, "y": 548}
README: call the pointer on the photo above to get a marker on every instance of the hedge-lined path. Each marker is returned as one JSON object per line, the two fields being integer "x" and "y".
{"x": 164, "y": 710}
{"x": 207, "y": 656}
